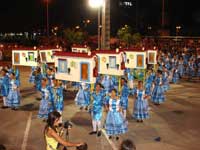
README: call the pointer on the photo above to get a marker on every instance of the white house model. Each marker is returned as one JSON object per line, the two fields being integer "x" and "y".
{"x": 152, "y": 56}
{"x": 80, "y": 49}
{"x": 135, "y": 58}
{"x": 24, "y": 57}
{"x": 110, "y": 62}
{"x": 76, "y": 67}
{"x": 47, "y": 54}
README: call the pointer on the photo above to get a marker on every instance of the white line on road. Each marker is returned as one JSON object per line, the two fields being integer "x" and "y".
{"x": 28, "y": 125}
{"x": 109, "y": 141}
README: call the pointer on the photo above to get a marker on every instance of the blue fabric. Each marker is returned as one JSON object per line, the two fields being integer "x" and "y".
{"x": 124, "y": 96}
{"x": 165, "y": 81}
{"x": 45, "y": 103}
{"x": 59, "y": 103}
{"x": 97, "y": 105}
{"x": 181, "y": 68}
{"x": 4, "y": 86}
{"x": 140, "y": 106}
{"x": 175, "y": 77}
{"x": 32, "y": 76}
{"x": 158, "y": 92}
{"x": 83, "y": 96}
{"x": 116, "y": 124}
{"x": 13, "y": 98}
{"x": 38, "y": 79}
{"x": 107, "y": 83}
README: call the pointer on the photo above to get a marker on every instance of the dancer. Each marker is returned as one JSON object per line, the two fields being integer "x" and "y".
{"x": 97, "y": 107}
{"x": 4, "y": 87}
{"x": 116, "y": 124}
{"x": 83, "y": 96}
{"x": 46, "y": 100}
{"x": 158, "y": 91}
{"x": 141, "y": 103}
{"x": 13, "y": 99}
{"x": 124, "y": 96}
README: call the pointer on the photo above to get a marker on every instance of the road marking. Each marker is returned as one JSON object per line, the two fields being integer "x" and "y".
{"x": 109, "y": 141}
{"x": 28, "y": 126}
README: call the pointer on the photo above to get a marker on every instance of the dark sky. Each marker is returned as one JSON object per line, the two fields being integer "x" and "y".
{"x": 27, "y": 15}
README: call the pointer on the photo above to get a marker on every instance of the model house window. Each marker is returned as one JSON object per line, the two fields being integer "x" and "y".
{"x": 43, "y": 57}
{"x": 62, "y": 65}
{"x": 140, "y": 61}
{"x": 31, "y": 56}
{"x": 85, "y": 72}
{"x": 112, "y": 62}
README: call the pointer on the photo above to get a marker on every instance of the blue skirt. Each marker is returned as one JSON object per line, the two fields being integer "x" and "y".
{"x": 97, "y": 114}
{"x": 13, "y": 99}
{"x": 82, "y": 98}
{"x": 59, "y": 105}
{"x": 148, "y": 88}
{"x": 158, "y": 95}
{"x": 124, "y": 102}
{"x": 166, "y": 87}
{"x": 32, "y": 79}
{"x": 115, "y": 123}
{"x": 44, "y": 109}
{"x": 141, "y": 110}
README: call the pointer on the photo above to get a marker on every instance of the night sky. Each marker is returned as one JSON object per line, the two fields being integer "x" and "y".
{"x": 28, "y": 15}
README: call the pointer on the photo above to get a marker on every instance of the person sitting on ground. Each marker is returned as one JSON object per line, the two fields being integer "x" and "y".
{"x": 52, "y": 137}
{"x": 127, "y": 145}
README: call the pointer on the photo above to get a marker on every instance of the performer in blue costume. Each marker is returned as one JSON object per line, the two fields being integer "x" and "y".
{"x": 165, "y": 78}
{"x": 32, "y": 75}
{"x": 13, "y": 99}
{"x": 116, "y": 124}
{"x": 190, "y": 69}
{"x": 181, "y": 67}
{"x": 175, "y": 77}
{"x": 97, "y": 108}
{"x": 130, "y": 78}
{"x": 158, "y": 91}
{"x": 38, "y": 79}
{"x": 124, "y": 96}
{"x": 45, "y": 103}
{"x": 149, "y": 81}
{"x": 141, "y": 103}
{"x": 50, "y": 76}
{"x": 4, "y": 87}
{"x": 83, "y": 96}
{"x": 107, "y": 83}
{"x": 17, "y": 74}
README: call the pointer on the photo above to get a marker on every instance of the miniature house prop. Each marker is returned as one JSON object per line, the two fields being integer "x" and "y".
{"x": 24, "y": 57}
{"x": 47, "y": 54}
{"x": 135, "y": 58}
{"x": 111, "y": 62}
{"x": 152, "y": 57}
{"x": 76, "y": 67}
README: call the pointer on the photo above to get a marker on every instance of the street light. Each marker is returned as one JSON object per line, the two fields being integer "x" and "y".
{"x": 98, "y": 4}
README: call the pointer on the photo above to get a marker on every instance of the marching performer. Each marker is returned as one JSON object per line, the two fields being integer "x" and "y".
{"x": 97, "y": 108}
{"x": 4, "y": 87}
{"x": 116, "y": 124}
{"x": 141, "y": 103}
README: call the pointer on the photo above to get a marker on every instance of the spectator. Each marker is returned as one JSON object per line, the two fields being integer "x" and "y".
{"x": 127, "y": 145}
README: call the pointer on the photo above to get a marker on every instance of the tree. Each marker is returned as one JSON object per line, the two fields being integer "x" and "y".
{"x": 125, "y": 35}
{"x": 136, "y": 38}
{"x": 73, "y": 36}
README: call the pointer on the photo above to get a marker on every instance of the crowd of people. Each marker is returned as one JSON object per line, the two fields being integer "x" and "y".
{"x": 107, "y": 103}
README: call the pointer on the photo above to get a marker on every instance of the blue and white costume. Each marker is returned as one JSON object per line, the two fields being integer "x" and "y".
{"x": 148, "y": 85}
{"x": 181, "y": 68}
{"x": 38, "y": 79}
{"x": 116, "y": 124}
{"x": 45, "y": 103}
{"x": 158, "y": 91}
{"x": 191, "y": 69}
{"x": 32, "y": 75}
{"x": 83, "y": 96}
{"x": 13, "y": 98}
{"x": 130, "y": 79}
{"x": 166, "y": 81}
{"x": 175, "y": 77}
{"x": 4, "y": 88}
{"x": 107, "y": 83}
{"x": 141, "y": 105}
{"x": 124, "y": 98}
{"x": 59, "y": 103}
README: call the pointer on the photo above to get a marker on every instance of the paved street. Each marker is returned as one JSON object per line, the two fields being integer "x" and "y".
{"x": 177, "y": 122}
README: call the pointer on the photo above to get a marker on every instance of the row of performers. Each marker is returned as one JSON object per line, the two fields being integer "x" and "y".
{"x": 105, "y": 96}
{"x": 181, "y": 64}
{"x": 9, "y": 87}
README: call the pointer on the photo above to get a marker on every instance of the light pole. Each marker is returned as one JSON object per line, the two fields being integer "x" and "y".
{"x": 98, "y": 4}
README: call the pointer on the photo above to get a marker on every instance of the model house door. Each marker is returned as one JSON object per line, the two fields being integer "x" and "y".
{"x": 84, "y": 71}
